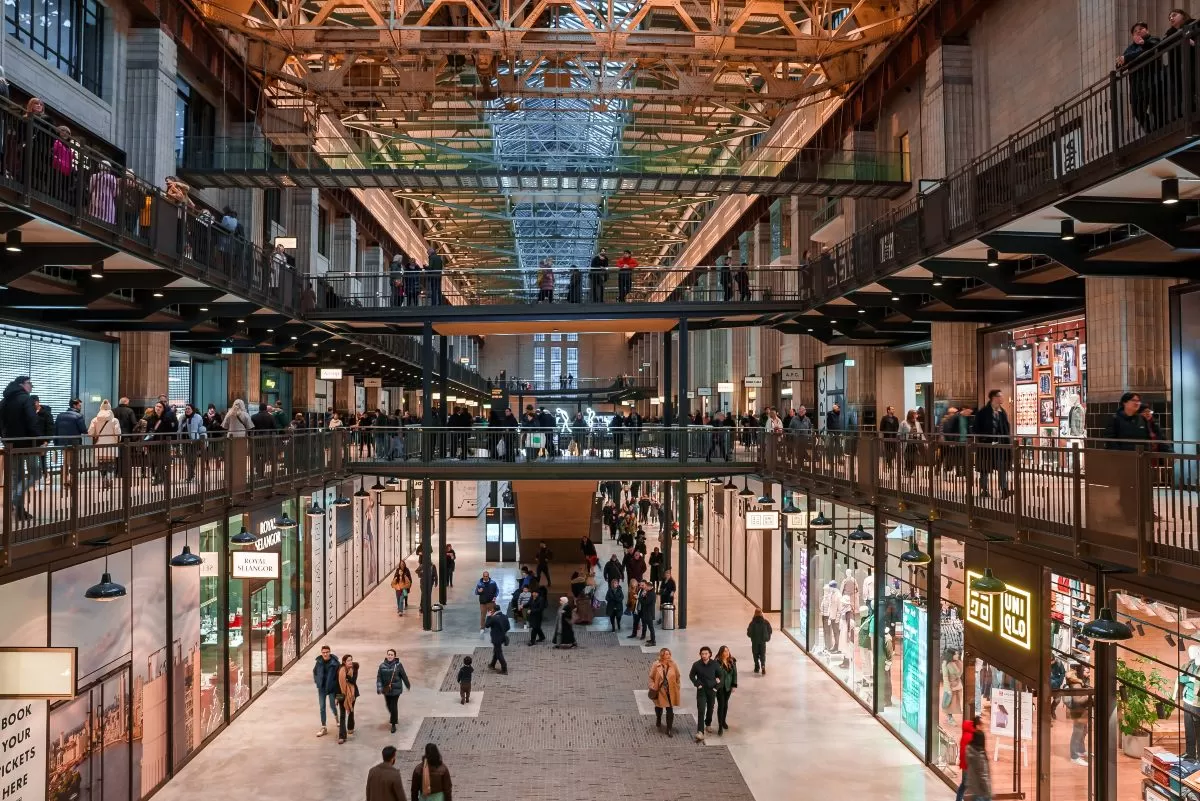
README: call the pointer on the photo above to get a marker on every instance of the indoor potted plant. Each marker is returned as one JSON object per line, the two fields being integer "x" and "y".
{"x": 1136, "y": 710}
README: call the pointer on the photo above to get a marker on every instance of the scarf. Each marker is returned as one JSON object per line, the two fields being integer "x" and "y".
{"x": 426, "y": 785}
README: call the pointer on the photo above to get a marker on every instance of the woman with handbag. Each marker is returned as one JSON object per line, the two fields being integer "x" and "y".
{"x": 664, "y": 689}
{"x": 431, "y": 778}
{"x": 390, "y": 681}
{"x": 401, "y": 583}
{"x": 346, "y": 696}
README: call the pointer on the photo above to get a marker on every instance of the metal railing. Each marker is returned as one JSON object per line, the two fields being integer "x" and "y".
{"x": 573, "y": 384}
{"x": 1115, "y": 497}
{"x": 591, "y": 174}
{"x": 417, "y": 288}
{"x": 532, "y": 444}
{"x": 1133, "y": 114}
{"x": 57, "y": 491}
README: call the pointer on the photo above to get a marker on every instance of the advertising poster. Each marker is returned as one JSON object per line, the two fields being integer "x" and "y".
{"x": 316, "y": 544}
{"x": 331, "y": 550}
{"x": 912, "y": 687}
{"x": 22, "y": 749}
{"x": 1026, "y": 410}
{"x": 150, "y": 688}
{"x": 356, "y": 521}
{"x": 1004, "y": 713}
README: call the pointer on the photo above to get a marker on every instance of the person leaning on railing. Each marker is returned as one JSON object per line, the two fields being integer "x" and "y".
{"x": 19, "y": 426}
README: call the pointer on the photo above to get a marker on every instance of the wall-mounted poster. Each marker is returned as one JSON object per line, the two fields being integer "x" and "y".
{"x": 1023, "y": 364}
{"x": 1066, "y": 369}
{"x": 1025, "y": 405}
{"x": 1083, "y": 356}
{"x": 1043, "y": 354}
{"x": 1045, "y": 387}
{"x": 1066, "y": 399}
{"x": 1046, "y": 411}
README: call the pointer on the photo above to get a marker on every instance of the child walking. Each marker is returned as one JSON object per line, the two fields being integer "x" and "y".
{"x": 464, "y": 680}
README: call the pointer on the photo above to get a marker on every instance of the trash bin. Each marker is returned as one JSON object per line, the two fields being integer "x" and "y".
{"x": 437, "y": 618}
{"x": 668, "y": 618}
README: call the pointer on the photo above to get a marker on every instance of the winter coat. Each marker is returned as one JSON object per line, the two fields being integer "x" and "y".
{"x": 18, "y": 418}
{"x": 978, "y": 780}
{"x": 191, "y": 427}
{"x": 384, "y": 783}
{"x": 645, "y": 606}
{"x": 613, "y": 571}
{"x": 991, "y": 425}
{"x": 498, "y": 625}
{"x": 126, "y": 418}
{"x": 759, "y": 631}
{"x": 237, "y": 421}
{"x": 68, "y": 428}
{"x": 439, "y": 782}
{"x": 665, "y": 681}
{"x": 614, "y": 600}
{"x": 486, "y": 591}
{"x": 703, "y": 674}
{"x": 727, "y": 675}
{"x": 666, "y": 592}
{"x": 1131, "y": 431}
{"x": 325, "y": 673}
{"x": 968, "y": 730}
{"x": 391, "y": 673}
{"x": 104, "y": 429}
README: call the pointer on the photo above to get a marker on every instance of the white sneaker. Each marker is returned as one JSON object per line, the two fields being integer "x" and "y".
{"x": 321, "y": 732}
{"x": 1080, "y": 761}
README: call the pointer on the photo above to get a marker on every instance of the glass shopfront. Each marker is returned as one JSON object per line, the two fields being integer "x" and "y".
{"x": 794, "y": 580}
{"x": 903, "y": 613}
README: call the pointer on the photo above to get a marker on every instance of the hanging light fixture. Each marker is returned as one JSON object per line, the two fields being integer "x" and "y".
{"x": 860, "y": 534}
{"x": 393, "y": 482}
{"x": 186, "y": 558}
{"x": 361, "y": 493}
{"x": 766, "y": 498}
{"x": 745, "y": 492}
{"x": 98, "y": 270}
{"x": 1170, "y": 192}
{"x": 12, "y": 242}
{"x": 729, "y": 485}
{"x": 988, "y": 584}
{"x": 820, "y": 521}
{"x": 914, "y": 555}
{"x": 1066, "y": 229}
{"x": 789, "y": 508}
{"x": 341, "y": 501}
{"x": 716, "y": 480}
{"x": 315, "y": 509}
{"x": 243, "y": 537}
{"x": 285, "y": 522}
{"x": 107, "y": 589}
{"x": 1106, "y": 628}
{"x": 378, "y": 485}
{"x": 993, "y": 257}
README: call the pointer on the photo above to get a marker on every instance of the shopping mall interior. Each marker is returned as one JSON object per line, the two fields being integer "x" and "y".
{"x": 874, "y": 318}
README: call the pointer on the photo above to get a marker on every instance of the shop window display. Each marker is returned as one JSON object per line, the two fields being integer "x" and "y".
{"x": 212, "y": 633}
{"x": 239, "y": 677}
{"x": 1158, "y": 701}
{"x": 1007, "y": 710}
{"x": 795, "y": 577}
{"x": 903, "y": 616}
{"x": 841, "y": 589}
{"x": 1050, "y": 384}
{"x": 1071, "y": 703}
{"x": 950, "y": 647}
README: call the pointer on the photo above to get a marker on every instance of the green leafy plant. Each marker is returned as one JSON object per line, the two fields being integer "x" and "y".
{"x": 1135, "y": 700}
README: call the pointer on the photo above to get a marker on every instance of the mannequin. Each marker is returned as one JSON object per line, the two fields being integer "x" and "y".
{"x": 829, "y": 616}
{"x": 846, "y": 617}
{"x": 866, "y": 646}
{"x": 1187, "y": 693}
{"x": 868, "y": 590}
{"x": 849, "y": 586}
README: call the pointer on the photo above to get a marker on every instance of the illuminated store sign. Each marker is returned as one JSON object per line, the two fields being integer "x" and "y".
{"x": 593, "y": 421}
{"x": 1009, "y": 614}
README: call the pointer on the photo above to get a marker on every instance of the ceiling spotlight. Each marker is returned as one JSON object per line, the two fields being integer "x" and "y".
{"x": 12, "y": 241}
{"x": 810, "y": 330}
{"x": 862, "y": 311}
{"x": 1066, "y": 230}
{"x": 1170, "y": 193}
{"x": 98, "y": 270}
{"x": 993, "y": 258}
{"x": 270, "y": 330}
{"x": 937, "y": 282}
{"x": 158, "y": 294}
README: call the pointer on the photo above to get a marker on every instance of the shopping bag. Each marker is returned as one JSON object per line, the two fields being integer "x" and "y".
{"x": 501, "y": 449}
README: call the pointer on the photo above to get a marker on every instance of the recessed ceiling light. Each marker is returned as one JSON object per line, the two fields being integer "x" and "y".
{"x": 862, "y": 311}
{"x": 158, "y": 294}
{"x": 810, "y": 330}
{"x": 270, "y": 330}
{"x": 241, "y": 321}
{"x": 294, "y": 337}
{"x": 203, "y": 308}
{"x": 895, "y": 297}
{"x": 937, "y": 282}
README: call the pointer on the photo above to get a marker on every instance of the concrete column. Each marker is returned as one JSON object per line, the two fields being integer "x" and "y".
{"x": 889, "y": 382}
{"x": 302, "y": 224}
{"x": 149, "y": 106}
{"x": 947, "y": 111}
{"x": 343, "y": 245}
{"x": 804, "y": 352}
{"x": 304, "y": 389}
{"x": 800, "y": 221}
{"x": 372, "y": 395}
{"x": 956, "y": 367}
{"x": 1128, "y": 345}
{"x": 344, "y": 399}
{"x": 245, "y": 378}
{"x": 145, "y": 360}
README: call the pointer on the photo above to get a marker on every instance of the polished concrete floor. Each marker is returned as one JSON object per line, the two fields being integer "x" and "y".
{"x": 563, "y": 724}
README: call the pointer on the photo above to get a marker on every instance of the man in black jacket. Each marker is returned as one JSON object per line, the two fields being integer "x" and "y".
{"x": 704, "y": 678}
{"x": 264, "y": 426}
{"x": 991, "y": 425}
{"x": 325, "y": 673}
{"x": 1127, "y": 431}
{"x": 1143, "y": 79}
{"x": 889, "y": 425}
{"x": 126, "y": 417}
{"x": 535, "y": 610}
{"x": 645, "y": 611}
{"x": 20, "y": 426}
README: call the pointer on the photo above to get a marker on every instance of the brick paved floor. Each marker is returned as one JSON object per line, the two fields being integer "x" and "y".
{"x": 564, "y": 724}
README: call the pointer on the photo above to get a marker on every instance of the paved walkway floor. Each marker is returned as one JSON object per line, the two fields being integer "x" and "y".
{"x": 562, "y": 725}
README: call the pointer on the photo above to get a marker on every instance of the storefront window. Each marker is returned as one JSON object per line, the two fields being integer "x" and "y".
{"x": 904, "y": 616}
{"x": 1072, "y": 604}
{"x": 1008, "y": 712}
{"x": 286, "y": 602}
{"x": 795, "y": 572}
{"x": 212, "y": 633}
{"x": 950, "y": 648}
{"x": 841, "y": 588}
{"x": 239, "y": 678}
{"x": 1158, "y": 700}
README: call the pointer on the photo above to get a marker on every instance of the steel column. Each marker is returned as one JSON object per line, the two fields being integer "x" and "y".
{"x": 684, "y": 520}
{"x": 441, "y": 541}
{"x": 426, "y": 561}
{"x": 426, "y": 390}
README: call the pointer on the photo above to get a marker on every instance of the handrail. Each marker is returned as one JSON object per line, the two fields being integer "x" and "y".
{"x": 1096, "y": 131}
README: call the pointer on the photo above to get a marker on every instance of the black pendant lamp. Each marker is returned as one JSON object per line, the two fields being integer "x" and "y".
{"x": 789, "y": 508}
{"x": 285, "y": 522}
{"x": 186, "y": 558}
{"x": 716, "y": 480}
{"x": 393, "y": 482}
{"x": 315, "y": 509}
{"x": 860, "y": 534}
{"x": 745, "y": 492}
{"x": 729, "y": 485}
{"x": 361, "y": 493}
{"x": 988, "y": 584}
{"x": 243, "y": 537}
{"x": 378, "y": 485}
{"x": 914, "y": 555}
{"x": 341, "y": 501}
{"x": 1106, "y": 628}
{"x": 107, "y": 589}
{"x": 766, "y": 499}
{"x": 821, "y": 521}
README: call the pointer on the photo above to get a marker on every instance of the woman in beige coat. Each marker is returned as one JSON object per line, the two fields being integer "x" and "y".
{"x": 105, "y": 432}
{"x": 664, "y": 689}
{"x": 237, "y": 420}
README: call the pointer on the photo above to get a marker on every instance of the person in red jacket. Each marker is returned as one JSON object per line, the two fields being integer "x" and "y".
{"x": 625, "y": 266}
{"x": 968, "y": 731}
